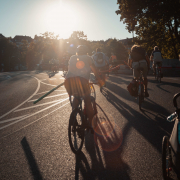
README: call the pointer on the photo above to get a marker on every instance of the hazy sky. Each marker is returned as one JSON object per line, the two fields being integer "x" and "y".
{"x": 97, "y": 18}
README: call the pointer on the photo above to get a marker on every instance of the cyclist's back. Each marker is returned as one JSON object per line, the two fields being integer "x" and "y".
{"x": 139, "y": 63}
{"x": 100, "y": 59}
{"x": 77, "y": 79}
{"x": 113, "y": 59}
{"x": 156, "y": 57}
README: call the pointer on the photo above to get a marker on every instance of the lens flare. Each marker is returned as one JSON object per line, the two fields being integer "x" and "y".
{"x": 109, "y": 141}
{"x": 103, "y": 125}
{"x": 80, "y": 64}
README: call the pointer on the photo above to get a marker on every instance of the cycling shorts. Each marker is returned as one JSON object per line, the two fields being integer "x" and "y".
{"x": 77, "y": 87}
{"x": 136, "y": 69}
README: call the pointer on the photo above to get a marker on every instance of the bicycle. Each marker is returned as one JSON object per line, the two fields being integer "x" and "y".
{"x": 171, "y": 147}
{"x": 78, "y": 120}
{"x": 141, "y": 94}
{"x": 157, "y": 73}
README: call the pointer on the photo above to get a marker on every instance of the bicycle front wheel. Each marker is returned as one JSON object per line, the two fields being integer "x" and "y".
{"x": 76, "y": 132}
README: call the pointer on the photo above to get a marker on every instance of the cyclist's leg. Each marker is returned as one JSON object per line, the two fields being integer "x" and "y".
{"x": 89, "y": 108}
{"x": 71, "y": 88}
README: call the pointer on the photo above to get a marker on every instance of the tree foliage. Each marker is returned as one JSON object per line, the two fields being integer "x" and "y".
{"x": 48, "y": 46}
{"x": 155, "y": 22}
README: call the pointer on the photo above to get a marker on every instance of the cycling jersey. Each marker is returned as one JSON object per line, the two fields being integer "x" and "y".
{"x": 100, "y": 59}
{"x": 157, "y": 57}
{"x": 79, "y": 66}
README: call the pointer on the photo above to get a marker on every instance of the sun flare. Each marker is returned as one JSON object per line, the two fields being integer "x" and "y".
{"x": 61, "y": 18}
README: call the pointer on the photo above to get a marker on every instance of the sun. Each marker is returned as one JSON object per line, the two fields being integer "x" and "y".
{"x": 61, "y": 19}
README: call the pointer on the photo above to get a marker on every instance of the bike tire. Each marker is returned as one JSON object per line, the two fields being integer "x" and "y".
{"x": 76, "y": 130}
{"x": 165, "y": 156}
{"x": 139, "y": 101}
{"x": 159, "y": 74}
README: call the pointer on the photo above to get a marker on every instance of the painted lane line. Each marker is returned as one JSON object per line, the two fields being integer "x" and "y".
{"x": 30, "y": 115}
{"x": 24, "y": 101}
{"x": 49, "y": 97}
{"x": 47, "y": 84}
{"x": 12, "y": 119}
{"x": 35, "y": 121}
{"x": 38, "y": 105}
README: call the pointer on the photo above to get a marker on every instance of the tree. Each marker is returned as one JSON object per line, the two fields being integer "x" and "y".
{"x": 8, "y": 53}
{"x": 153, "y": 21}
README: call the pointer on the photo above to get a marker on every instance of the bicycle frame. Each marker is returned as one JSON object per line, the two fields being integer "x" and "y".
{"x": 141, "y": 91}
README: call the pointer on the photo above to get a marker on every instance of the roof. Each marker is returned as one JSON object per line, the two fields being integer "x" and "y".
{"x": 20, "y": 38}
{"x": 1, "y": 36}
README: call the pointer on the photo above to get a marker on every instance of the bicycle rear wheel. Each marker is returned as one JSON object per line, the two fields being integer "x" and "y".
{"x": 139, "y": 101}
{"x": 76, "y": 132}
{"x": 141, "y": 97}
{"x": 165, "y": 157}
{"x": 159, "y": 76}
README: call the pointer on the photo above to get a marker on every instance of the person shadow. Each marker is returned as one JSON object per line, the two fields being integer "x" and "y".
{"x": 104, "y": 151}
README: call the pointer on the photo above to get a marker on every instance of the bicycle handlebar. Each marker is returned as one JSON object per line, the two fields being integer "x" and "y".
{"x": 175, "y": 99}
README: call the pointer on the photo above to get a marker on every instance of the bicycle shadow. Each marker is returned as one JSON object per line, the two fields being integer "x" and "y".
{"x": 142, "y": 121}
{"x": 104, "y": 150}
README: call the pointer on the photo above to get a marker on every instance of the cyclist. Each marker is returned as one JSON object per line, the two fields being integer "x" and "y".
{"x": 77, "y": 79}
{"x": 100, "y": 61}
{"x": 113, "y": 59}
{"x": 156, "y": 57}
{"x": 137, "y": 60}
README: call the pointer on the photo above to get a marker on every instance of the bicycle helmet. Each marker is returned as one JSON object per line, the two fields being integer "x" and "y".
{"x": 82, "y": 50}
{"x": 156, "y": 48}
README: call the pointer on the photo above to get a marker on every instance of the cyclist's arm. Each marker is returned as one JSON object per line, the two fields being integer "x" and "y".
{"x": 95, "y": 71}
{"x": 151, "y": 57}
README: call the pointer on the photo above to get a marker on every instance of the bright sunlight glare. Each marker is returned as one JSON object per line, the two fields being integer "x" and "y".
{"x": 61, "y": 19}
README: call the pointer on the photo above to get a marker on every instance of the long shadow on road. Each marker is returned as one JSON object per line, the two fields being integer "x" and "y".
{"x": 143, "y": 121}
{"x": 105, "y": 152}
{"x": 31, "y": 160}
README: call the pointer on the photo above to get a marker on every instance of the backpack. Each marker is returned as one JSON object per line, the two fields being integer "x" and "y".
{"x": 133, "y": 88}
{"x": 99, "y": 59}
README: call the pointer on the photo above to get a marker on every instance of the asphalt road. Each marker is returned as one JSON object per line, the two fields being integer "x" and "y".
{"x": 34, "y": 138}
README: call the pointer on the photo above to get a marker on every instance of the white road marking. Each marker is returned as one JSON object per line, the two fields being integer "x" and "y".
{"x": 35, "y": 120}
{"x": 24, "y": 101}
{"x": 31, "y": 115}
{"x": 37, "y": 105}
{"x": 12, "y": 119}
{"x": 49, "y": 97}
{"x": 48, "y": 84}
